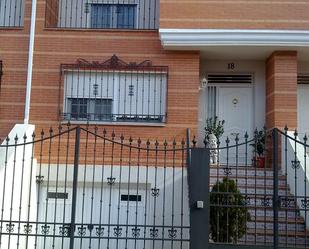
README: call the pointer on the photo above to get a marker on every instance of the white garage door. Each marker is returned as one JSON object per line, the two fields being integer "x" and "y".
{"x": 95, "y": 208}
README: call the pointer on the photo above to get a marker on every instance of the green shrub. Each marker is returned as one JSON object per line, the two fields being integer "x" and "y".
{"x": 214, "y": 126}
{"x": 228, "y": 213}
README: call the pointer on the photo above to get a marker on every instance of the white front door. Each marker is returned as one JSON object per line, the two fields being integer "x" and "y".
{"x": 235, "y": 106}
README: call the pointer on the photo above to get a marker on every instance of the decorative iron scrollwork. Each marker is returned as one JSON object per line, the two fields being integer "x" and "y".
{"x": 155, "y": 192}
{"x": 45, "y": 229}
{"x": 136, "y": 232}
{"x": 131, "y": 90}
{"x": 39, "y": 179}
{"x": 10, "y": 228}
{"x": 286, "y": 202}
{"x": 114, "y": 63}
{"x": 154, "y": 232}
{"x": 81, "y": 231}
{"x": 172, "y": 233}
{"x": 265, "y": 202}
{"x": 117, "y": 231}
{"x": 99, "y": 231}
{"x": 227, "y": 171}
{"x": 295, "y": 164}
{"x": 65, "y": 230}
{"x": 305, "y": 203}
{"x": 111, "y": 180}
{"x": 27, "y": 228}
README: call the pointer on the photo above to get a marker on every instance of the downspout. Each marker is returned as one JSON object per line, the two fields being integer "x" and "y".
{"x": 30, "y": 62}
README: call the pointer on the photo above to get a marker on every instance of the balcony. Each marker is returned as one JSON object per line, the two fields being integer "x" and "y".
{"x": 114, "y": 91}
{"x": 103, "y": 14}
{"x": 11, "y": 13}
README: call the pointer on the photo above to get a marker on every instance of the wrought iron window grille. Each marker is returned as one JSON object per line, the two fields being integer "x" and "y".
{"x": 112, "y": 14}
{"x": 11, "y": 13}
{"x": 113, "y": 91}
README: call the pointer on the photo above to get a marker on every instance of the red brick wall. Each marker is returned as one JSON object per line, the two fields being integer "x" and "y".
{"x": 53, "y": 47}
{"x": 250, "y": 14}
{"x": 281, "y": 90}
{"x": 14, "y": 55}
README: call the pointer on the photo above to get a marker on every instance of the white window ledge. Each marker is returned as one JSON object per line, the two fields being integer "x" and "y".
{"x": 76, "y": 122}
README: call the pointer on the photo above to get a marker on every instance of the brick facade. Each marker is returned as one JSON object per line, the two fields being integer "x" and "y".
{"x": 56, "y": 46}
{"x": 234, "y": 14}
{"x": 281, "y": 90}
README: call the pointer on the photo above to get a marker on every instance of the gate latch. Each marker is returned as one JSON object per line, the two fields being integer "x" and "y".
{"x": 199, "y": 204}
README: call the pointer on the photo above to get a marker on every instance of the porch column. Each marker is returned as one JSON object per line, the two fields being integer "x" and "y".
{"x": 281, "y": 96}
{"x": 281, "y": 90}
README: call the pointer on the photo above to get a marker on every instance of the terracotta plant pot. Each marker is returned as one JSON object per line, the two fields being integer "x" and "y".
{"x": 259, "y": 162}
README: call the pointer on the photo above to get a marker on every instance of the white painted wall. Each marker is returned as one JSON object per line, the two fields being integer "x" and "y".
{"x": 17, "y": 181}
{"x": 257, "y": 68}
{"x": 11, "y": 13}
{"x": 141, "y": 185}
{"x": 303, "y": 102}
{"x": 299, "y": 186}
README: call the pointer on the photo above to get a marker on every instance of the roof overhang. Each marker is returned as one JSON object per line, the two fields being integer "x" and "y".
{"x": 210, "y": 40}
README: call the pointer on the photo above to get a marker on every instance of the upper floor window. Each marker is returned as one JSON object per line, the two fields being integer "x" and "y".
{"x": 102, "y": 14}
{"x": 11, "y": 13}
{"x": 114, "y": 91}
{"x": 121, "y": 16}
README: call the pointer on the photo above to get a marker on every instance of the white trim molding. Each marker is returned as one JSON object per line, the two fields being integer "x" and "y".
{"x": 197, "y": 38}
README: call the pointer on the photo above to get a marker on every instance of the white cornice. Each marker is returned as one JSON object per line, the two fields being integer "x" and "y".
{"x": 197, "y": 38}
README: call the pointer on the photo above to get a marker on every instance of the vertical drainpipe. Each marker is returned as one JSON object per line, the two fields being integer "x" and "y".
{"x": 30, "y": 62}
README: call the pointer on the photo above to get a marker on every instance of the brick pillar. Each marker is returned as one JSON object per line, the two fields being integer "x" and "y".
{"x": 281, "y": 95}
{"x": 281, "y": 90}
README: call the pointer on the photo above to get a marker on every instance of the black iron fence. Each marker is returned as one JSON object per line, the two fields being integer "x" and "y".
{"x": 11, "y": 13}
{"x": 80, "y": 187}
{"x": 103, "y": 14}
{"x": 259, "y": 190}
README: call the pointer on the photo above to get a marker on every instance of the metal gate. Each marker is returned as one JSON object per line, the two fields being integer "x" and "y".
{"x": 258, "y": 191}
{"x": 81, "y": 187}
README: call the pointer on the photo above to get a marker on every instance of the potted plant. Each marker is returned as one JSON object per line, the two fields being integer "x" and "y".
{"x": 259, "y": 148}
{"x": 228, "y": 212}
{"x": 215, "y": 127}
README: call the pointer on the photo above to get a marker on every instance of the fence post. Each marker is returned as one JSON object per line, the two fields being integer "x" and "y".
{"x": 276, "y": 188}
{"x": 74, "y": 190}
{"x": 199, "y": 198}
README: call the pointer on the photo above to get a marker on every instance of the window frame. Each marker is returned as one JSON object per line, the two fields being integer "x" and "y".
{"x": 113, "y": 19}
{"x": 114, "y": 64}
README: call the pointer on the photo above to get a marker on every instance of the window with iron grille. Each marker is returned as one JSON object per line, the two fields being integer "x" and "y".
{"x": 103, "y": 14}
{"x": 120, "y": 16}
{"x": 114, "y": 92}
{"x": 11, "y": 13}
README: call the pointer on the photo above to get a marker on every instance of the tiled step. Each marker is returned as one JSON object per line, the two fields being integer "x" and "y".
{"x": 269, "y": 226}
{"x": 242, "y": 171}
{"x": 256, "y": 185}
{"x": 262, "y": 239}
{"x": 250, "y": 181}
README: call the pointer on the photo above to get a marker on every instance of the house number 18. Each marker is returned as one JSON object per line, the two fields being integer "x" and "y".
{"x": 231, "y": 66}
